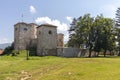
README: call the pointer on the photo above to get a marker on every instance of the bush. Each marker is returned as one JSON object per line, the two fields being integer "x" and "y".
{"x": 32, "y": 51}
{"x": 8, "y": 50}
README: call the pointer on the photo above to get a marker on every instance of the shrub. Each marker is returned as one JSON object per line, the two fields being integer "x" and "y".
{"x": 8, "y": 50}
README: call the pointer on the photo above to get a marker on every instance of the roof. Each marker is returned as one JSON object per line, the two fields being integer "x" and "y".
{"x": 34, "y": 24}
{"x": 20, "y": 23}
{"x": 1, "y": 51}
{"x": 48, "y": 25}
{"x": 26, "y": 23}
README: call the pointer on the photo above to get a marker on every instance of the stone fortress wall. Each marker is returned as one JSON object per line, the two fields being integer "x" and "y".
{"x": 60, "y": 42}
{"x": 23, "y": 35}
{"x": 44, "y": 37}
{"x": 47, "y": 39}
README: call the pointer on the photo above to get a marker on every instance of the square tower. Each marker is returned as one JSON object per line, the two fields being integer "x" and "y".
{"x": 23, "y": 35}
{"x": 46, "y": 40}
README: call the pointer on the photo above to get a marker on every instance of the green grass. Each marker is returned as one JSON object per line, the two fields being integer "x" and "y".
{"x": 57, "y": 68}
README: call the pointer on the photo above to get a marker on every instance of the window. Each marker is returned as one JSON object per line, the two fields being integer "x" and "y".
{"x": 16, "y": 29}
{"x": 50, "y": 32}
{"x": 25, "y": 29}
{"x": 39, "y": 32}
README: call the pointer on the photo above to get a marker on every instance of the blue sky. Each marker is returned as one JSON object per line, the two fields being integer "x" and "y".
{"x": 57, "y": 12}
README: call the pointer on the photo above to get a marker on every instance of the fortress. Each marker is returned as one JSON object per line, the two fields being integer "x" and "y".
{"x": 43, "y": 37}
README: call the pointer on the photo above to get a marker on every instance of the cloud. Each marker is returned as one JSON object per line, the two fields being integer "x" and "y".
{"x": 108, "y": 10}
{"x": 61, "y": 26}
{"x": 69, "y": 18}
{"x": 32, "y": 9}
{"x": 5, "y": 40}
{"x": 66, "y": 37}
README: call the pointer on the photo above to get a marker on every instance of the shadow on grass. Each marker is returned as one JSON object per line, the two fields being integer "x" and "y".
{"x": 101, "y": 56}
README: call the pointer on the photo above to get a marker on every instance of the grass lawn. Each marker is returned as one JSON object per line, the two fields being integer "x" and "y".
{"x": 57, "y": 68}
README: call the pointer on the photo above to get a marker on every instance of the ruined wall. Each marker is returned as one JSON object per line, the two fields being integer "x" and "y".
{"x": 23, "y": 34}
{"x": 60, "y": 40}
{"x": 46, "y": 40}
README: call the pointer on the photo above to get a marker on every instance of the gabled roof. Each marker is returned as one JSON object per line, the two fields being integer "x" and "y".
{"x": 48, "y": 25}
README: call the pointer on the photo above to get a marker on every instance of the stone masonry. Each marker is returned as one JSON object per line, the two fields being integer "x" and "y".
{"x": 60, "y": 42}
{"x": 47, "y": 39}
{"x": 23, "y": 35}
{"x": 44, "y": 37}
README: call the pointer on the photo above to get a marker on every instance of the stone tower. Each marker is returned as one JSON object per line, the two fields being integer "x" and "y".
{"x": 23, "y": 35}
{"x": 60, "y": 40}
{"x": 46, "y": 40}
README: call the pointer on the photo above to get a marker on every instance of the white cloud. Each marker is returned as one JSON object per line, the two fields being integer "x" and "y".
{"x": 69, "y": 18}
{"x": 61, "y": 27}
{"x": 108, "y": 10}
{"x": 5, "y": 40}
{"x": 32, "y": 9}
{"x": 66, "y": 37}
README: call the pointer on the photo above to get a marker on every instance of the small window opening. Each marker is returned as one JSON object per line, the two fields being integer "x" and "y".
{"x": 16, "y": 29}
{"x": 50, "y": 32}
{"x": 25, "y": 29}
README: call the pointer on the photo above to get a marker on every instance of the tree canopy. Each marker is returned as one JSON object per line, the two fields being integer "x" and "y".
{"x": 93, "y": 33}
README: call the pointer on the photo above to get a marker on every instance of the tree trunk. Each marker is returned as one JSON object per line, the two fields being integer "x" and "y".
{"x": 111, "y": 53}
{"x": 90, "y": 50}
{"x": 27, "y": 54}
{"x": 97, "y": 54}
{"x": 89, "y": 53}
{"x": 104, "y": 53}
{"x": 119, "y": 52}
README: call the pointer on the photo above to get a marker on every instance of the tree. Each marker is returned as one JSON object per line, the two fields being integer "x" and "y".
{"x": 95, "y": 33}
{"x": 117, "y": 18}
{"x": 117, "y": 25}
{"x": 82, "y": 32}
{"x": 118, "y": 39}
{"x": 8, "y": 50}
{"x": 102, "y": 34}
{"x": 73, "y": 38}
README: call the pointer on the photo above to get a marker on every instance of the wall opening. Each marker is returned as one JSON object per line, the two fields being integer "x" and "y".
{"x": 50, "y": 32}
{"x": 25, "y": 29}
{"x": 16, "y": 29}
{"x": 39, "y": 32}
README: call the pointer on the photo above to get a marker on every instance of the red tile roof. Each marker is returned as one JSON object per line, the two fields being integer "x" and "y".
{"x": 1, "y": 51}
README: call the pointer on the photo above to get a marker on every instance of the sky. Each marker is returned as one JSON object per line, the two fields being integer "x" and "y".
{"x": 56, "y": 12}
